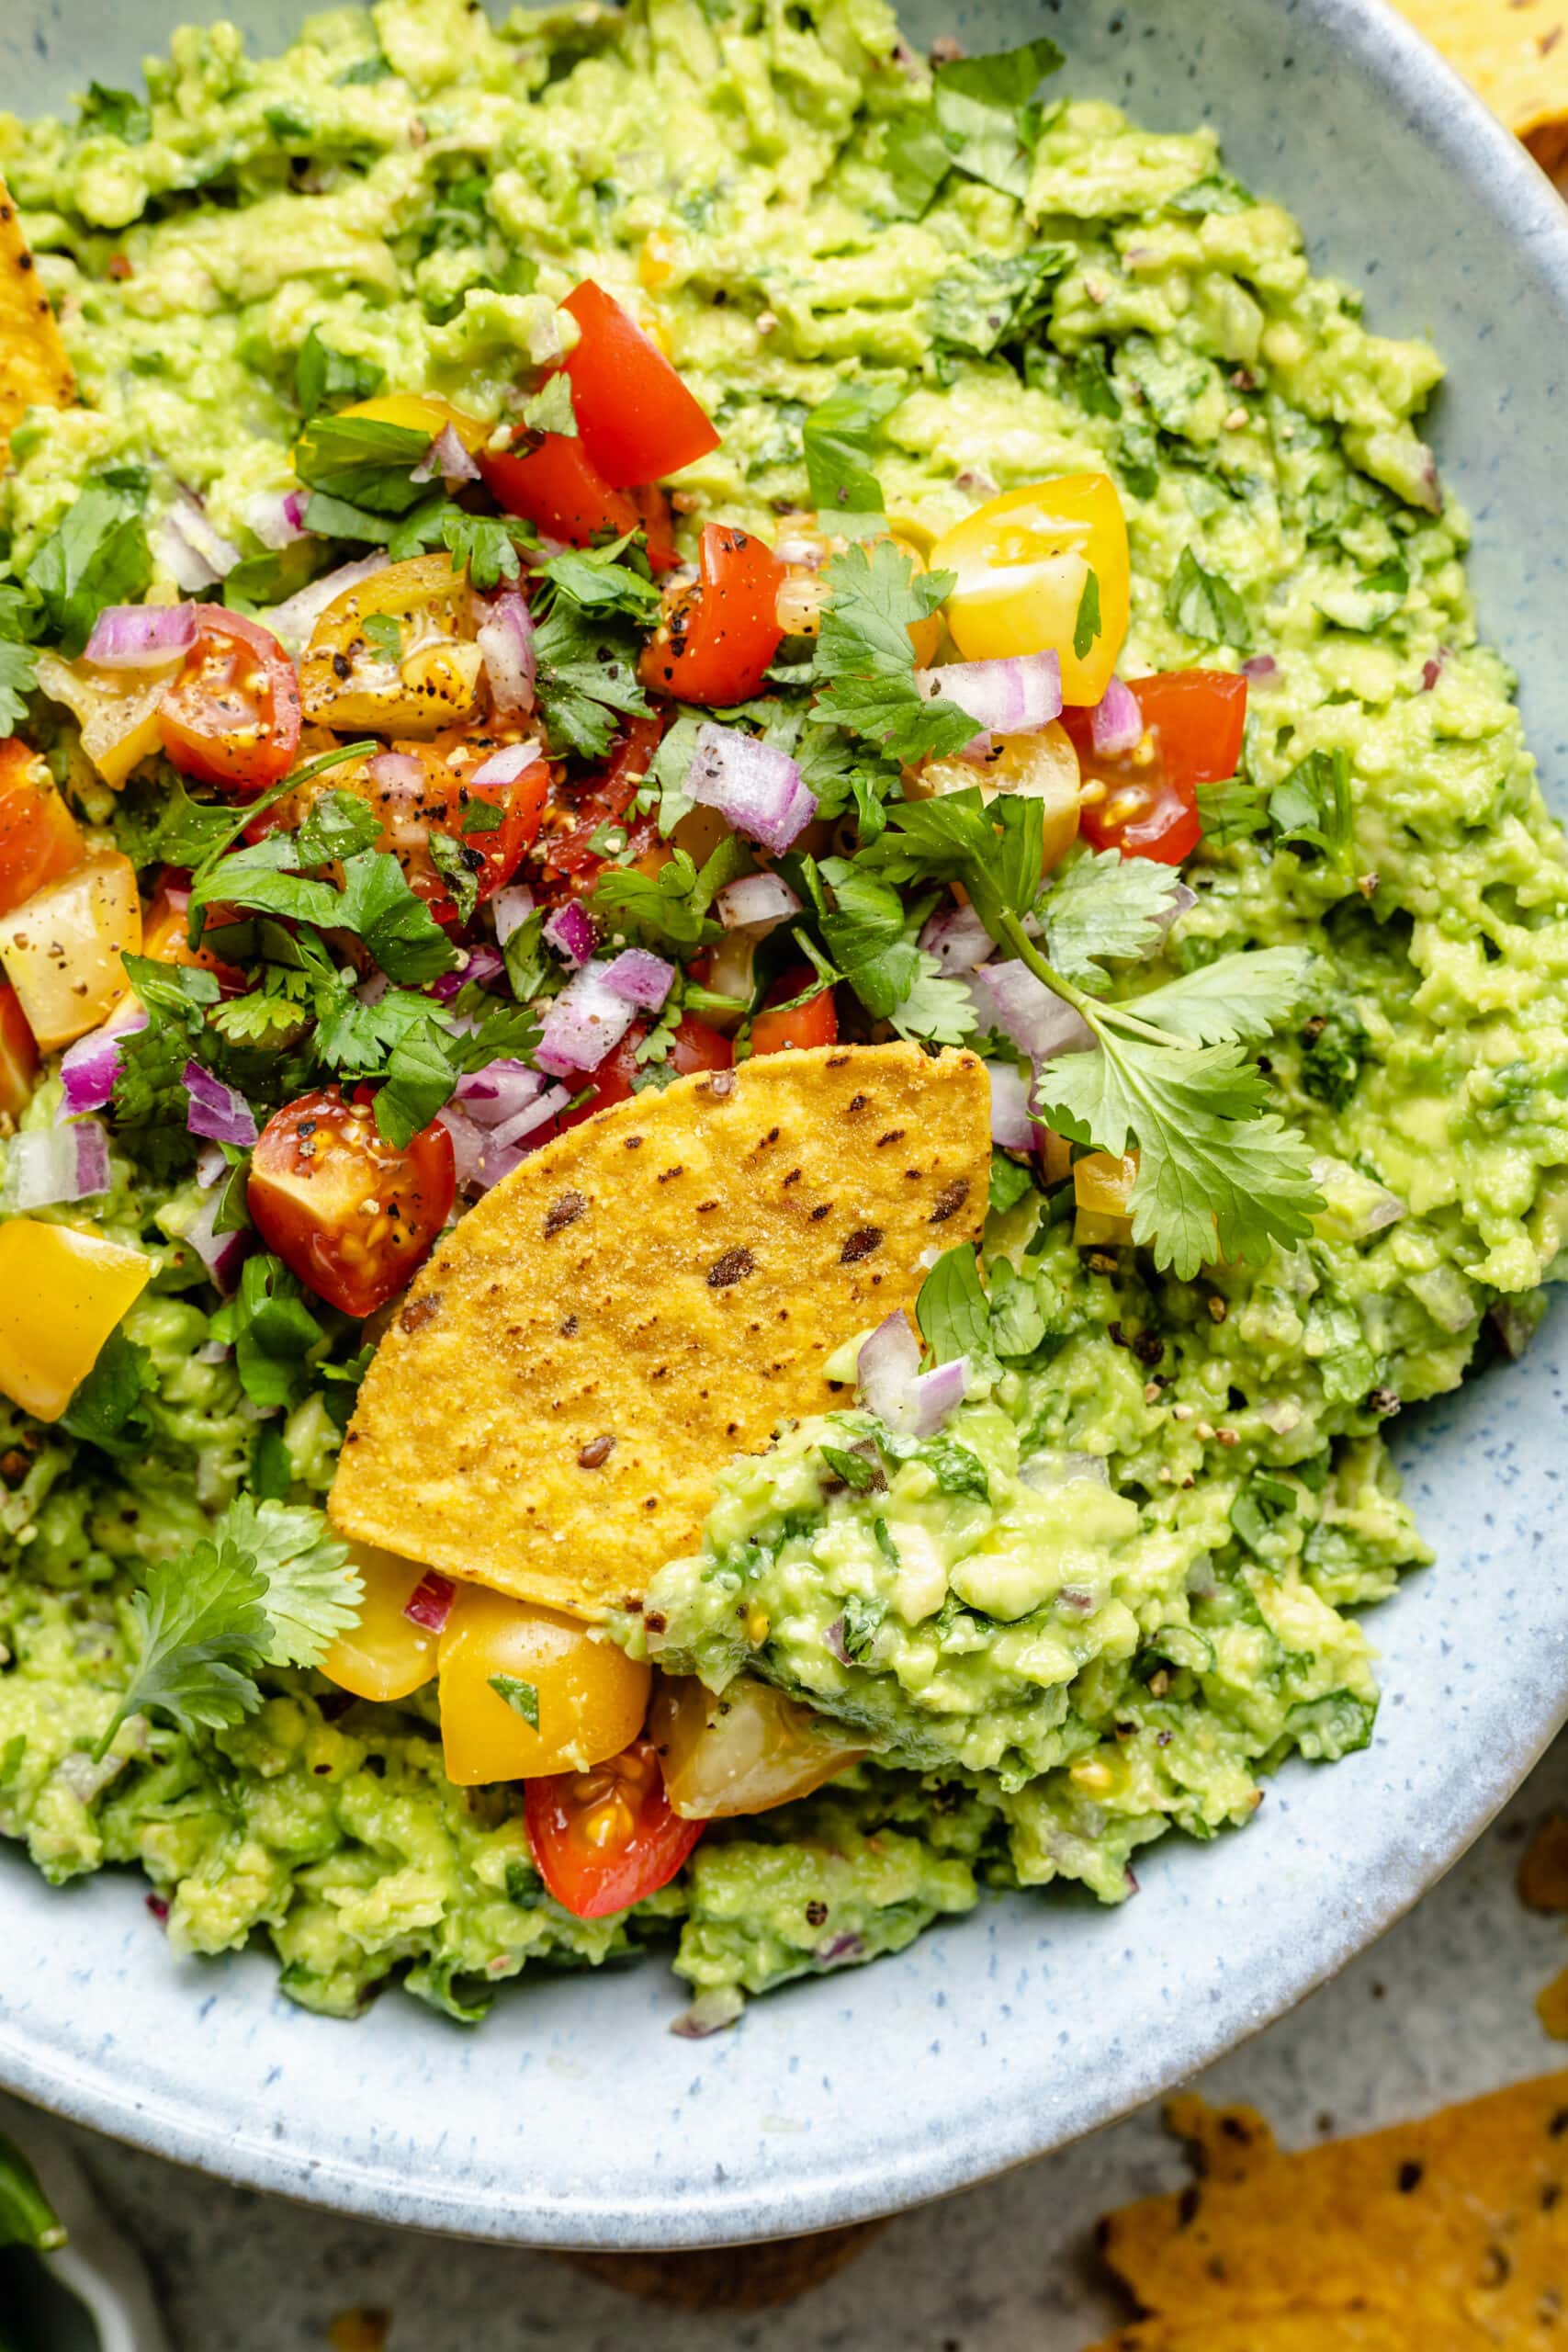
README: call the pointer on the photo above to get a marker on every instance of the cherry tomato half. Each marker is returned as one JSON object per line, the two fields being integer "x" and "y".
{"x": 231, "y": 716}
{"x": 604, "y": 800}
{"x": 349, "y": 1212}
{"x": 693, "y": 1048}
{"x": 1193, "y": 722}
{"x": 604, "y": 1839}
{"x": 18, "y": 1055}
{"x": 40, "y": 839}
{"x": 418, "y": 789}
{"x": 636, "y": 420}
{"x": 815, "y": 1022}
{"x": 716, "y": 638}
{"x": 555, "y": 483}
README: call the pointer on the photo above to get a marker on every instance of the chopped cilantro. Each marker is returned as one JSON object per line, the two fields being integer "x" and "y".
{"x": 867, "y": 663}
{"x": 549, "y": 410}
{"x": 1087, "y": 627}
{"x": 837, "y": 437}
{"x": 326, "y": 378}
{"x": 1204, "y": 605}
{"x": 522, "y": 1698}
{"x": 114, "y": 114}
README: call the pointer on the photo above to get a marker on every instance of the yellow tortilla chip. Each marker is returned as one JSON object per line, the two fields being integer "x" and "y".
{"x": 34, "y": 370}
{"x": 650, "y": 1294}
{"x": 1448, "y": 2231}
{"x": 1514, "y": 53}
{"x": 1542, "y": 1880}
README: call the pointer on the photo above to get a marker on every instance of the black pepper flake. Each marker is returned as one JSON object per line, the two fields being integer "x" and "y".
{"x": 1148, "y": 1347}
{"x": 1385, "y": 1402}
{"x": 860, "y": 1244}
{"x": 949, "y": 1201}
{"x": 816, "y": 1914}
{"x": 597, "y": 1452}
{"x": 562, "y": 1213}
{"x": 1409, "y": 2176}
{"x": 733, "y": 1267}
{"x": 894, "y": 1135}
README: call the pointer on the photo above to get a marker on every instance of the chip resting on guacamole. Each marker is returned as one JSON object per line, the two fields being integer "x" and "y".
{"x": 647, "y": 1295}
{"x": 34, "y": 369}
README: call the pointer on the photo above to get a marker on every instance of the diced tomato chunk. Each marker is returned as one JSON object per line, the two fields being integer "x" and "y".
{"x": 636, "y": 417}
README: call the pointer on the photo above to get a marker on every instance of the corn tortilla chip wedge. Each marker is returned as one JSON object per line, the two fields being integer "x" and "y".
{"x": 34, "y": 370}
{"x": 1514, "y": 56}
{"x": 650, "y": 1293}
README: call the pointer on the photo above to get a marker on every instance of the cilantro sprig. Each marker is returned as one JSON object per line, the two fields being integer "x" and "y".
{"x": 866, "y": 662}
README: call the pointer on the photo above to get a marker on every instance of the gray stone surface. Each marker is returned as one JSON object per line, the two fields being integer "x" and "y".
{"x": 1440, "y": 2010}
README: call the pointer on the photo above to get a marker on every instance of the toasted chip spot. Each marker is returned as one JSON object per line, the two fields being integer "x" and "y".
{"x": 950, "y": 1200}
{"x": 860, "y": 1245}
{"x": 564, "y": 1212}
{"x": 733, "y": 1267}
{"x": 420, "y": 1311}
{"x": 597, "y": 1452}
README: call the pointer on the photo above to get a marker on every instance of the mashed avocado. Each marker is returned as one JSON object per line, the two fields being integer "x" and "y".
{"x": 1111, "y": 1595}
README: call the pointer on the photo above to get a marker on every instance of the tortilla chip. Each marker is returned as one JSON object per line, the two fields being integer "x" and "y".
{"x": 1542, "y": 1879}
{"x": 34, "y": 370}
{"x": 650, "y": 1294}
{"x": 1514, "y": 55}
{"x": 1551, "y": 2007}
{"x": 1445, "y": 2233}
{"x": 732, "y": 2277}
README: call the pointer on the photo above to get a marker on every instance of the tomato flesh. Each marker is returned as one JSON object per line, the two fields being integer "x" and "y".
{"x": 693, "y": 1048}
{"x": 231, "y": 716}
{"x": 557, "y": 486}
{"x": 815, "y": 1022}
{"x": 18, "y": 1055}
{"x": 40, "y": 839}
{"x": 1194, "y": 722}
{"x": 348, "y": 1212}
{"x": 636, "y": 420}
{"x": 604, "y": 1839}
{"x": 717, "y": 639}
{"x": 571, "y": 854}
{"x": 418, "y": 789}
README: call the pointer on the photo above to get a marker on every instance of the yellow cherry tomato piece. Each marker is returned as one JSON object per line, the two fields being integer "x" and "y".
{"x": 62, "y": 949}
{"x": 1024, "y": 562}
{"x": 1102, "y": 1187}
{"x": 117, "y": 711}
{"x": 414, "y": 676}
{"x": 386, "y": 1655}
{"x": 61, "y": 1293}
{"x": 742, "y": 1750}
{"x": 503, "y": 1661}
{"x": 421, "y": 412}
{"x": 1043, "y": 767}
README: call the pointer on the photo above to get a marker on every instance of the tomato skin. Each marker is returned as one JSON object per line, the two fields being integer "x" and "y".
{"x": 636, "y": 417}
{"x": 350, "y": 1214}
{"x": 430, "y": 683}
{"x": 596, "y": 1861}
{"x": 559, "y": 487}
{"x": 18, "y": 1054}
{"x": 693, "y": 1048}
{"x": 231, "y": 716}
{"x": 717, "y": 639}
{"x": 40, "y": 839}
{"x": 1021, "y": 565}
{"x": 569, "y": 853}
{"x": 658, "y": 520}
{"x": 1193, "y": 722}
{"x": 815, "y": 1022}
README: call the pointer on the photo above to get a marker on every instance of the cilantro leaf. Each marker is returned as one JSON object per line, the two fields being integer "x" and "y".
{"x": 1244, "y": 995}
{"x": 18, "y": 676}
{"x": 1106, "y": 905}
{"x": 1091, "y": 381}
{"x": 587, "y": 671}
{"x": 114, "y": 114}
{"x": 273, "y": 1332}
{"x": 522, "y": 1698}
{"x": 459, "y": 867}
{"x": 954, "y": 1313}
{"x": 203, "y": 1633}
{"x": 1311, "y": 804}
{"x": 1232, "y": 811}
{"x": 107, "y": 1400}
{"x": 916, "y": 159}
{"x": 550, "y": 410}
{"x": 397, "y": 927}
{"x": 865, "y": 654}
{"x": 1087, "y": 627}
{"x": 156, "y": 822}
{"x": 936, "y": 1008}
{"x": 313, "y": 1592}
{"x": 362, "y": 460}
{"x": 865, "y": 934}
{"x": 983, "y": 110}
{"x": 597, "y": 581}
{"x": 484, "y": 544}
{"x": 420, "y": 1077}
{"x": 1218, "y": 1175}
{"x": 674, "y": 902}
{"x": 264, "y": 877}
{"x": 996, "y": 852}
{"x": 837, "y": 437}
{"x": 862, "y": 1618}
{"x": 1216, "y": 192}
{"x": 96, "y": 555}
{"x": 991, "y": 300}
{"x": 1205, "y": 607}
{"x": 1010, "y": 1179}
{"x": 326, "y": 378}
{"x": 337, "y": 825}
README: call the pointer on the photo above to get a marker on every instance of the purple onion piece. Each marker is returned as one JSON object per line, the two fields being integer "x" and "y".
{"x": 1175, "y": 907}
{"x": 839, "y": 1952}
{"x": 222, "y": 1254}
{"x": 1116, "y": 722}
{"x": 292, "y": 621}
{"x": 190, "y": 551}
{"x": 498, "y": 1091}
{"x": 712, "y": 2012}
{"x": 89, "y": 1067}
{"x": 888, "y": 1361}
{"x": 511, "y": 909}
{"x": 570, "y": 931}
{"x": 430, "y": 1603}
{"x": 482, "y": 965}
{"x": 54, "y": 1165}
{"x": 1260, "y": 668}
{"x": 936, "y": 1394}
{"x": 957, "y": 938}
{"x": 467, "y": 1142}
{"x": 1015, "y": 697}
{"x": 643, "y": 979}
{"x": 447, "y": 458}
{"x": 756, "y": 902}
{"x": 506, "y": 647}
{"x": 507, "y": 1146}
{"x": 215, "y": 1110}
{"x": 754, "y": 786}
{"x": 506, "y": 765}
{"x": 399, "y": 774}
{"x": 586, "y": 1022}
{"x": 1432, "y": 669}
{"x": 834, "y": 1643}
{"x": 1039, "y": 1023}
{"x": 1013, "y": 1125}
{"x": 140, "y": 636}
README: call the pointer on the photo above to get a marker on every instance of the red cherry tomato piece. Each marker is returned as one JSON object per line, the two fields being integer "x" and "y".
{"x": 604, "y": 801}
{"x": 40, "y": 839}
{"x": 636, "y": 417}
{"x": 18, "y": 1055}
{"x": 693, "y": 1048}
{"x": 1193, "y": 722}
{"x": 349, "y": 1212}
{"x": 557, "y": 486}
{"x": 815, "y": 1022}
{"x": 605, "y": 1838}
{"x": 231, "y": 716}
{"x": 717, "y": 639}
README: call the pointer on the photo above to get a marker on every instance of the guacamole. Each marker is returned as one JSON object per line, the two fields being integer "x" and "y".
{"x": 1115, "y": 1588}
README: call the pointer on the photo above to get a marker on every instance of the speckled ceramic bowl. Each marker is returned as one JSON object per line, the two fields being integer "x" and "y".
{"x": 574, "y": 2118}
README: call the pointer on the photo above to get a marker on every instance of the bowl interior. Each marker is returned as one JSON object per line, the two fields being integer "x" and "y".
{"x": 574, "y": 2116}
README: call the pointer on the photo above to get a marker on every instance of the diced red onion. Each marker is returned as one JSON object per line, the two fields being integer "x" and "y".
{"x": 57, "y": 1164}
{"x": 893, "y": 1387}
{"x": 497, "y": 1092}
{"x": 1260, "y": 668}
{"x": 523, "y": 1123}
{"x": 1175, "y": 905}
{"x": 570, "y": 931}
{"x": 447, "y": 458}
{"x": 467, "y": 1142}
{"x": 1013, "y": 1126}
{"x": 643, "y": 980}
{"x": 511, "y": 909}
{"x": 399, "y": 774}
{"x": 215, "y": 1110}
{"x": 482, "y": 964}
{"x": 210, "y": 1165}
{"x": 292, "y": 621}
{"x": 506, "y": 647}
{"x": 1432, "y": 669}
{"x": 430, "y": 1602}
{"x": 140, "y": 636}
{"x": 712, "y": 2012}
{"x": 222, "y": 1254}
{"x": 191, "y": 551}
{"x": 1015, "y": 697}
{"x": 1116, "y": 722}
{"x": 840, "y": 1950}
{"x": 979, "y": 752}
{"x": 1039, "y": 1023}
{"x": 756, "y": 902}
{"x": 507, "y": 764}
{"x": 276, "y": 520}
{"x": 586, "y": 1022}
{"x": 89, "y": 1067}
{"x": 957, "y": 938}
{"x": 1515, "y": 1329}
{"x": 755, "y": 786}
{"x": 214, "y": 1351}
{"x": 810, "y": 553}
